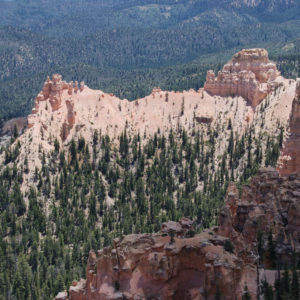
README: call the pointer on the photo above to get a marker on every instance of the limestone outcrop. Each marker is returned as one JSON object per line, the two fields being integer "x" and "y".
{"x": 52, "y": 91}
{"x": 70, "y": 120}
{"x": 248, "y": 74}
{"x": 150, "y": 266}
{"x": 269, "y": 204}
{"x": 65, "y": 111}
{"x": 289, "y": 161}
{"x": 162, "y": 266}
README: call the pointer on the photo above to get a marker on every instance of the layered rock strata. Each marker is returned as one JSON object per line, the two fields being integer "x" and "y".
{"x": 159, "y": 266}
{"x": 65, "y": 111}
{"x": 53, "y": 92}
{"x": 248, "y": 74}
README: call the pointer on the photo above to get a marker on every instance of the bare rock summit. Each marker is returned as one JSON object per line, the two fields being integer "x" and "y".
{"x": 249, "y": 74}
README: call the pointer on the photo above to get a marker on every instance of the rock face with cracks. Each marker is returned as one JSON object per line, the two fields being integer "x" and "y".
{"x": 248, "y": 74}
{"x": 53, "y": 92}
{"x": 157, "y": 266}
{"x": 290, "y": 158}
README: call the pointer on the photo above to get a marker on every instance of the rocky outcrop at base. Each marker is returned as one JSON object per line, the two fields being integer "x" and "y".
{"x": 180, "y": 266}
{"x": 248, "y": 74}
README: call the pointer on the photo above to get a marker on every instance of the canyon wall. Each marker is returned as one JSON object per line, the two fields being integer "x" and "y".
{"x": 289, "y": 161}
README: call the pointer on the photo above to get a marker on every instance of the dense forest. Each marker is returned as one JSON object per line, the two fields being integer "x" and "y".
{"x": 17, "y": 95}
{"x": 90, "y": 193}
{"x": 128, "y": 47}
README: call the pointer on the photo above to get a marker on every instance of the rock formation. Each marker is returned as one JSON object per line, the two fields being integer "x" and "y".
{"x": 52, "y": 90}
{"x": 180, "y": 228}
{"x": 70, "y": 120}
{"x": 270, "y": 203}
{"x": 159, "y": 266}
{"x": 71, "y": 110}
{"x": 81, "y": 86}
{"x": 76, "y": 87}
{"x": 290, "y": 156}
{"x": 185, "y": 266}
{"x": 248, "y": 74}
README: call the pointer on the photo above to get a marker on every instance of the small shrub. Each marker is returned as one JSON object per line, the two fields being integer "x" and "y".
{"x": 228, "y": 246}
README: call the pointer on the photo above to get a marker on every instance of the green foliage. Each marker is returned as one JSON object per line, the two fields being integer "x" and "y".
{"x": 271, "y": 250}
{"x": 286, "y": 286}
{"x": 228, "y": 246}
{"x": 246, "y": 295}
{"x": 218, "y": 293}
{"x": 128, "y": 188}
{"x": 125, "y": 55}
{"x": 267, "y": 290}
{"x": 172, "y": 235}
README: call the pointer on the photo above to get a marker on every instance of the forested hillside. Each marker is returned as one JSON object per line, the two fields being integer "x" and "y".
{"x": 92, "y": 193}
{"x": 90, "y": 168}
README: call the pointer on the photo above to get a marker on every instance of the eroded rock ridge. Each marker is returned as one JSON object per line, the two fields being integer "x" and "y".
{"x": 53, "y": 92}
{"x": 249, "y": 74}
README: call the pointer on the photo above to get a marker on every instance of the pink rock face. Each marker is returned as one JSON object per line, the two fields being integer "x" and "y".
{"x": 289, "y": 161}
{"x": 55, "y": 92}
{"x": 76, "y": 87}
{"x": 148, "y": 266}
{"x": 70, "y": 121}
{"x": 70, "y": 88}
{"x": 62, "y": 296}
{"x": 52, "y": 91}
{"x": 248, "y": 74}
{"x": 151, "y": 266}
{"x": 81, "y": 86}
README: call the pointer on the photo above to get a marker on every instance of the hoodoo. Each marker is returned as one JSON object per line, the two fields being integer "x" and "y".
{"x": 248, "y": 74}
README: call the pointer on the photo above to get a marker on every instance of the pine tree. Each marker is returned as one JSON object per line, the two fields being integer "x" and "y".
{"x": 295, "y": 294}
{"x": 272, "y": 251}
{"x": 15, "y": 131}
{"x": 246, "y": 295}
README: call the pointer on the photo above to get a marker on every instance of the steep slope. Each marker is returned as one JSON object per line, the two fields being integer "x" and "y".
{"x": 66, "y": 110}
{"x": 157, "y": 266}
{"x": 290, "y": 159}
{"x": 91, "y": 167}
